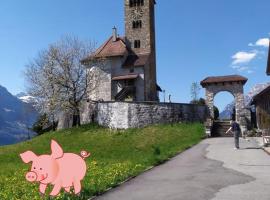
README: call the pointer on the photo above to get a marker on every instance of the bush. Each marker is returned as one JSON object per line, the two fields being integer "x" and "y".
{"x": 216, "y": 113}
{"x": 43, "y": 125}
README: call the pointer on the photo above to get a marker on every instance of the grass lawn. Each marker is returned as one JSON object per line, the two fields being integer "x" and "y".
{"x": 115, "y": 156}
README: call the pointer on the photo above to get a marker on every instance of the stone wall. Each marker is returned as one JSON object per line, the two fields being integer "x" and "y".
{"x": 123, "y": 115}
{"x": 99, "y": 81}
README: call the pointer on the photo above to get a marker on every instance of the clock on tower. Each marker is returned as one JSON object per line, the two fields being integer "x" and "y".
{"x": 137, "y": 13}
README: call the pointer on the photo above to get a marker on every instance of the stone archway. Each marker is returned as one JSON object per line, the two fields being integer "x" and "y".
{"x": 233, "y": 84}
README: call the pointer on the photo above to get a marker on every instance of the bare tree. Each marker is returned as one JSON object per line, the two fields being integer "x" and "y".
{"x": 195, "y": 90}
{"x": 58, "y": 79}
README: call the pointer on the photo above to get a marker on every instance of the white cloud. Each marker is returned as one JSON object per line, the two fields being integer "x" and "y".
{"x": 264, "y": 42}
{"x": 243, "y": 57}
{"x": 241, "y": 68}
{"x": 235, "y": 67}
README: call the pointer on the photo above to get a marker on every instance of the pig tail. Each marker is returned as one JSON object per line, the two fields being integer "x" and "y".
{"x": 85, "y": 154}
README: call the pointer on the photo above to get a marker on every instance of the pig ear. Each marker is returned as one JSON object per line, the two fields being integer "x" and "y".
{"x": 28, "y": 156}
{"x": 57, "y": 151}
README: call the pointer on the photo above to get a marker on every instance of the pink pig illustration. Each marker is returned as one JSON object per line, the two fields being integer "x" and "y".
{"x": 63, "y": 170}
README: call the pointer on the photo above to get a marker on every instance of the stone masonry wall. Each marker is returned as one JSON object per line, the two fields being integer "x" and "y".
{"x": 99, "y": 79}
{"x": 123, "y": 115}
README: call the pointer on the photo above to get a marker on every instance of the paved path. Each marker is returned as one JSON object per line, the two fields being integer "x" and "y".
{"x": 210, "y": 170}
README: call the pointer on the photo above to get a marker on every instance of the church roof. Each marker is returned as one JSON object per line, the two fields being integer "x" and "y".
{"x": 223, "y": 79}
{"x": 109, "y": 49}
{"x": 118, "y": 48}
{"x": 268, "y": 62}
{"x": 136, "y": 60}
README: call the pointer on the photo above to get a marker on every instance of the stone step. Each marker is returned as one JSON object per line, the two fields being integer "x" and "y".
{"x": 219, "y": 129}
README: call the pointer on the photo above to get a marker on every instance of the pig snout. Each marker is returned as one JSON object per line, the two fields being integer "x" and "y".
{"x": 31, "y": 176}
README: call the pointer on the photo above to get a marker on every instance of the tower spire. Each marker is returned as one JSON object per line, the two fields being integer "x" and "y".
{"x": 114, "y": 34}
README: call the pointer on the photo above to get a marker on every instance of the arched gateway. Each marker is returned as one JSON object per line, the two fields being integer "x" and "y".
{"x": 233, "y": 84}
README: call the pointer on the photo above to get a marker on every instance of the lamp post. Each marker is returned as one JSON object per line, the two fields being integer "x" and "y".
{"x": 164, "y": 95}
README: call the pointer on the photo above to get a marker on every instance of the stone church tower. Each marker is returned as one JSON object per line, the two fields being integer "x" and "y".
{"x": 140, "y": 38}
{"x": 129, "y": 73}
{"x": 140, "y": 25}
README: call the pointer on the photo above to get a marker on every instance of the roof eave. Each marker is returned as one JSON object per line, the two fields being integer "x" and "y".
{"x": 91, "y": 58}
{"x": 268, "y": 62}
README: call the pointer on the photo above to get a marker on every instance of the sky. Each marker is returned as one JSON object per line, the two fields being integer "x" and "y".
{"x": 195, "y": 39}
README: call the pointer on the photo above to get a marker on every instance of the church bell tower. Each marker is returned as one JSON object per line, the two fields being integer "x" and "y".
{"x": 140, "y": 39}
{"x": 140, "y": 25}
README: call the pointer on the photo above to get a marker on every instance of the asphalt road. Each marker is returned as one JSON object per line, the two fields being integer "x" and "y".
{"x": 210, "y": 170}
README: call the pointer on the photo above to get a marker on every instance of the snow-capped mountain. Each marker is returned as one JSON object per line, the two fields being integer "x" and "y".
{"x": 227, "y": 112}
{"x": 16, "y": 117}
{"x": 26, "y": 98}
{"x": 257, "y": 89}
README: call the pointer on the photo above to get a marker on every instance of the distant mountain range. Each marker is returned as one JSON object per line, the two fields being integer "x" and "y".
{"x": 18, "y": 114}
{"x": 227, "y": 112}
{"x": 16, "y": 117}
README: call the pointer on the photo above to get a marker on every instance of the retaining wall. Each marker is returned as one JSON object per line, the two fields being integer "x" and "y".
{"x": 123, "y": 115}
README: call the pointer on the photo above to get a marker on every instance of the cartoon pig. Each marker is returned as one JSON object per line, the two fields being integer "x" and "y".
{"x": 63, "y": 170}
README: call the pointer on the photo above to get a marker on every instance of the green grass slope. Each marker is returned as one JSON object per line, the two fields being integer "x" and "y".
{"x": 115, "y": 156}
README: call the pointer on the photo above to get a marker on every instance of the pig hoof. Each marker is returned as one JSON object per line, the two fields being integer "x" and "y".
{"x": 52, "y": 196}
{"x": 42, "y": 195}
{"x": 78, "y": 194}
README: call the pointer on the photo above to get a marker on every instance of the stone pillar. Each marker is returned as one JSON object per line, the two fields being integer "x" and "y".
{"x": 240, "y": 112}
{"x": 210, "y": 102}
{"x": 239, "y": 105}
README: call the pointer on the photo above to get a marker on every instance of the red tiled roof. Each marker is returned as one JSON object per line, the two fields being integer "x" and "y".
{"x": 223, "y": 79}
{"x": 268, "y": 62}
{"x": 136, "y": 60}
{"x": 109, "y": 49}
{"x": 125, "y": 77}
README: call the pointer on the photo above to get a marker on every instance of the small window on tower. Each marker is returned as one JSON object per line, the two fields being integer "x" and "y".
{"x": 137, "y": 44}
{"x": 137, "y": 24}
{"x": 133, "y": 3}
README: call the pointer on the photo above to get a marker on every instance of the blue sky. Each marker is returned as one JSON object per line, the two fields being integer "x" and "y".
{"x": 195, "y": 38}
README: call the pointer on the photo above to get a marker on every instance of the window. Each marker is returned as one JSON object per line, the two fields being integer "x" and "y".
{"x": 137, "y": 24}
{"x": 131, "y": 70}
{"x": 133, "y": 3}
{"x": 137, "y": 44}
